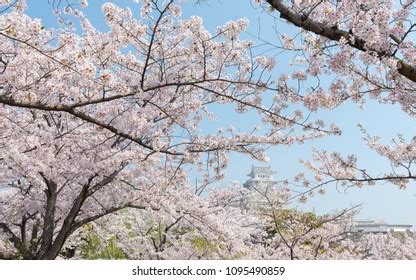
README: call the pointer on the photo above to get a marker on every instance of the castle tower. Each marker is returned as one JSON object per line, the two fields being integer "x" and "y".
{"x": 260, "y": 176}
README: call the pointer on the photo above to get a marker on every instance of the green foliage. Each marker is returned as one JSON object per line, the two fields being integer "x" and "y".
{"x": 292, "y": 225}
{"x": 287, "y": 218}
{"x": 95, "y": 247}
{"x": 203, "y": 245}
{"x": 207, "y": 247}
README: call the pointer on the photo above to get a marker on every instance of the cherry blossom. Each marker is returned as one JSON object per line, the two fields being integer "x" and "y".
{"x": 99, "y": 129}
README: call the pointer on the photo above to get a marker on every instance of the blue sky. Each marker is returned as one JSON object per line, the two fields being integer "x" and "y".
{"x": 382, "y": 201}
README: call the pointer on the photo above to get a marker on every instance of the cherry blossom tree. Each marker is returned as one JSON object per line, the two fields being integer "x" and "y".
{"x": 367, "y": 49}
{"x": 99, "y": 128}
{"x": 233, "y": 223}
{"x": 259, "y": 225}
{"x": 213, "y": 228}
{"x": 95, "y": 122}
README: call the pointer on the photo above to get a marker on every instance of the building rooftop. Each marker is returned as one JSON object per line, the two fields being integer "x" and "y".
{"x": 372, "y": 226}
{"x": 260, "y": 175}
{"x": 260, "y": 170}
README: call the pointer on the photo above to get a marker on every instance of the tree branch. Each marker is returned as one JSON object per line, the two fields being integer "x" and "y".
{"x": 336, "y": 34}
{"x": 49, "y": 218}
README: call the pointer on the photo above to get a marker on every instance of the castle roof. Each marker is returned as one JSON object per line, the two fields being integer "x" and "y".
{"x": 260, "y": 170}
